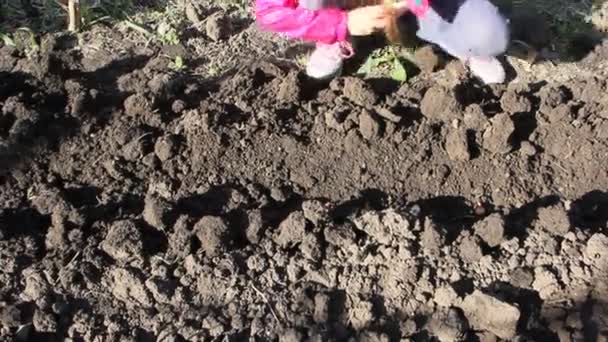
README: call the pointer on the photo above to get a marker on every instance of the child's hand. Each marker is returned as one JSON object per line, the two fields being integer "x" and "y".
{"x": 364, "y": 21}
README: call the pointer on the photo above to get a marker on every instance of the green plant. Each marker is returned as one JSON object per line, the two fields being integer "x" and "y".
{"x": 387, "y": 58}
{"x": 177, "y": 64}
{"x": 167, "y": 34}
{"x": 6, "y": 39}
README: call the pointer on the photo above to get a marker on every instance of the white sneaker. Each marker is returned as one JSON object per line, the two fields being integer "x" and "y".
{"x": 327, "y": 60}
{"x": 489, "y": 70}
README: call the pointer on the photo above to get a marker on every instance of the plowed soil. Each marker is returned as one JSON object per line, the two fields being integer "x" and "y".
{"x": 144, "y": 204}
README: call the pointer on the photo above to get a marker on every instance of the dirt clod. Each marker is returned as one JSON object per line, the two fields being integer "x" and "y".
{"x": 545, "y": 282}
{"x": 457, "y": 145}
{"x": 440, "y": 104}
{"x": 487, "y": 313}
{"x": 474, "y": 118}
{"x": 496, "y": 137}
{"x": 166, "y": 147}
{"x": 448, "y": 326}
{"x": 470, "y": 249}
{"x": 137, "y": 104}
{"x": 232, "y": 198}
{"x": 597, "y": 250}
{"x": 553, "y": 219}
{"x": 491, "y": 230}
{"x": 218, "y": 26}
{"x": 292, "y": 230}
{"x": 359, "y": 92}
{"x": 289, "y": 89}
{"x": 512, "y": 102}
{"x": 315, "y": 211}
{"x": 123, "y": 241}
{"x": 427, "y": 59}
{"x": 10, "y": 316}
{"x": 369, "y": 126}
{"x": 180, "y": 241}
{"x": 128, "y": 287}
{"x": 432, "y": 239}
{"x": 361, "y": 315}
{"x": 213, "y": 234}
{"x": 255, "y": 226}
{"x": 157, "y": 212}
{"x": 527, "y": 149}
{"x": 44, "y": 322}
{"x": 321, "y": 313}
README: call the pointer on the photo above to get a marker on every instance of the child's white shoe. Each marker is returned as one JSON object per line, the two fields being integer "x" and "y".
{"x": 489, "y": 70}
{"x": 327, "y": 60}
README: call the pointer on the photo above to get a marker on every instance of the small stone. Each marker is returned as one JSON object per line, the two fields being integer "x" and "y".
{"x": 369, "y": 126}
{"x": 213, "y": 234}
{"x": 488, "y": 313}
{"x": 457, "y": 145}
{"x": 491, "y": 229}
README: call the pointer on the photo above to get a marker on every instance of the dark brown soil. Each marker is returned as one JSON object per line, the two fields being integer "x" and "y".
{"x": 143, "y": 204}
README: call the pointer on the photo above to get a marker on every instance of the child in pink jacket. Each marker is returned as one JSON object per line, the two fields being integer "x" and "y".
{"x": 470, "y": 30}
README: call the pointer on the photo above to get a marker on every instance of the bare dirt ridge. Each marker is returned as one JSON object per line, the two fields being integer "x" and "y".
{"x": 143, "y": 204}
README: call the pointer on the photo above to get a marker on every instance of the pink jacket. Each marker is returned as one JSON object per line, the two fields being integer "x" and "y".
{"x": 285, "y": 16}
